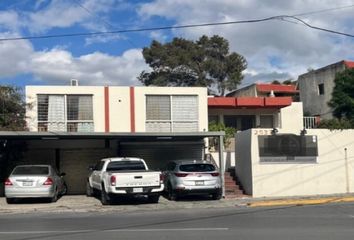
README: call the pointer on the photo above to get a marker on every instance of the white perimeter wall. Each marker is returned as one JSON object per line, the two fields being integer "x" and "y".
{"x": 327, "y": 176}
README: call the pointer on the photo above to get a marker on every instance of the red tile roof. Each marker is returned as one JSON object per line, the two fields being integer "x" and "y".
{"x": 276, "y": 88}
{"x": 349, "y": 64}
{"x": 249, "y": 102}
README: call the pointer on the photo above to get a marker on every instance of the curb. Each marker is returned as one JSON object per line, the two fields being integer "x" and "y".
{"x": 297, "y": 202}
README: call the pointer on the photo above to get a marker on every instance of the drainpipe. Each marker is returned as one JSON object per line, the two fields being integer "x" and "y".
{"x": 221, "y": 162}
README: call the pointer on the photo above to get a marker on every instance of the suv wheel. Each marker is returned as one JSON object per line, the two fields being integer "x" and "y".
{"x": 171, "y": 194}
{"x": 217, "y": 196}
{"x": 89, "y": 190}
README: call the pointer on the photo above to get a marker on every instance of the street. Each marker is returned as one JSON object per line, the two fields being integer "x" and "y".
{"x": 330, "y": 221}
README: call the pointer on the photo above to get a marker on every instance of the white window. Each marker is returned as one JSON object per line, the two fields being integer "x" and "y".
{"x": 61, "y": 113}
{"x": 176, "y": 113}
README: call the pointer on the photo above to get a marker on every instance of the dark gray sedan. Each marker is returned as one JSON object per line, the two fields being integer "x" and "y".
{"x": 34, "y": 181}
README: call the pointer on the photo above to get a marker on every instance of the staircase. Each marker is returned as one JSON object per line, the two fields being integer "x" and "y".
{"x": 232, "y": 186}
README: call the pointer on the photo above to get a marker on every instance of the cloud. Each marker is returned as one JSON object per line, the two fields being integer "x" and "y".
{"x": 295, "y": 46}
{"x": 9, "y": 20}
{"x": 58, "y": 66}
{"x": 15, "y": 56}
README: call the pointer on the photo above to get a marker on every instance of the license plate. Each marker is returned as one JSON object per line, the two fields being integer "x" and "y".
{"x": 137, "y": 190}
{"x": 27, "y": 184}
{"x": 199, "y": 183}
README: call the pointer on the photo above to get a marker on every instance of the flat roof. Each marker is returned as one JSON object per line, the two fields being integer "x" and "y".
{"x": 25, "y": 135}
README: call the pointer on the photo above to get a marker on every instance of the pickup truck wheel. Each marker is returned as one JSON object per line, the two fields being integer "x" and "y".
{"x": 171, "y": 194}
{"x": 89, "y": 190}
{"x": 105, "y": 199}
{"x": 153, "y": 198}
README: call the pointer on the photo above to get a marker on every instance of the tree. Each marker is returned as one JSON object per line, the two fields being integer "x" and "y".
{"x": 342, "y": 100}
{"x": 12, "y": 109}
{"x": 205, "y": 62}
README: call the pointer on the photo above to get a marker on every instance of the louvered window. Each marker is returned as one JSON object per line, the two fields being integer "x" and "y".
{"x": 176, "y": 113}
{"x": 60, "y": 113}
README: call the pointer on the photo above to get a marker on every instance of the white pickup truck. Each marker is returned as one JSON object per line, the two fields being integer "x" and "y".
{"x": 124, "y": 176}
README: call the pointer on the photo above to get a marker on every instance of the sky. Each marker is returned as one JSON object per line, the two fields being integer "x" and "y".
{"x": 274, "y": 50}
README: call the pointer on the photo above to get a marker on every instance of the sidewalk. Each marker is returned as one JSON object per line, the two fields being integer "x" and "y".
{"x": 83, "y": 204}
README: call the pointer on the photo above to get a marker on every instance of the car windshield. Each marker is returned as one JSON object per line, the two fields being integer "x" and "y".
{"x": 197, "y": 167}
{"x": 31, "y": 170}
{"x": 125, "y": 165}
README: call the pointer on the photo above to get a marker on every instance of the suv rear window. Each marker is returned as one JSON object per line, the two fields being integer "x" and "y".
{"x": 31, "y": 170}
{"x": 125, "y": 165}
{"x": 199, "y": 167}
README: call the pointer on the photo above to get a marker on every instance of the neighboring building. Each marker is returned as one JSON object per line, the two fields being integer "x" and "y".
{"x": 243, "y": 113}
{"x": 116, "y": 109}
{"x": 266, "y": 90}
{"x": 316, "y": 89}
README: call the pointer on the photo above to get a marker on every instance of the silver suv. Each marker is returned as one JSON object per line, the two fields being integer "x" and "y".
{"x": 187, "y": 177}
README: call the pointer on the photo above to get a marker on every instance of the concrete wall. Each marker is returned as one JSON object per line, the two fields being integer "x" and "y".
{"x": 119, "y": 104}
{"x": 249, "y": 91}
{"x": 291, "y": 117}
{"x": 331, "y": 174}
{"x": 315, "y": 104}
{"x": 244, "y": 148}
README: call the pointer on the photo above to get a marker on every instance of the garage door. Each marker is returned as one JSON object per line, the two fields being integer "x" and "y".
{"x": 75, "y": 164}
{"x": 157, "y": 154}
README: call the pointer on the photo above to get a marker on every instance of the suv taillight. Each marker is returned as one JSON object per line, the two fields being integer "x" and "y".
{"x": 215, "y": 174}
{"x": 113, "y": 180}
{"x": 8, "y": 182}
{"x": 181, "y": 174}
{"x": 48, "y": 182}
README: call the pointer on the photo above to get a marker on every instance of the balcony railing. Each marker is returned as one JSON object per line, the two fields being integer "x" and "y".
{"x": 73, "y": 126}
{"x": 311, "y": 122}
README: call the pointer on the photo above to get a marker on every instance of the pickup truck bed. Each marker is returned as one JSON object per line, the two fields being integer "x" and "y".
{"x": 114, "y": 178}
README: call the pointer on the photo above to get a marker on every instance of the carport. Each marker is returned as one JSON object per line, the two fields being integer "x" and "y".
{"x": 73, "y": 152}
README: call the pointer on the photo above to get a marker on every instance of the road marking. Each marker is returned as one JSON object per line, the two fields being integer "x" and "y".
{"x": 167, "y": 229}
{"x": 284, "y": 202}
{"x": 118, "y": 230}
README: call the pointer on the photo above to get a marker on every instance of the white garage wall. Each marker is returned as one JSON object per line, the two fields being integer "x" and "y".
{"x": 330, "y": 175}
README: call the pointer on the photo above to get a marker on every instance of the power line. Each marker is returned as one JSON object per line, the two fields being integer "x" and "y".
{"x": 323, "y": 10}
{"x": 280, "y": 17}
{"x": 99, "y": 18}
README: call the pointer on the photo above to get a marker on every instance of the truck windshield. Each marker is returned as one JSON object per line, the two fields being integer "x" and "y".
{"x": 125, "y": 165}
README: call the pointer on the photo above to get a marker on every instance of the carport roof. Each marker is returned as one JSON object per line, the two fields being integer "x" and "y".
{"x": 23, "y": 135}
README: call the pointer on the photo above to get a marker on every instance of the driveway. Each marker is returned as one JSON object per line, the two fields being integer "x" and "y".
{"x": 82, "y": 204}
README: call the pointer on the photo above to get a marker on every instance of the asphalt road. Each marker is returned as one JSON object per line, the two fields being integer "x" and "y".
{"x": 331, "y": 221}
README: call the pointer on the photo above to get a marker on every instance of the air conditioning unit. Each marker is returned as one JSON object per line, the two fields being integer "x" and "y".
{"x": 74, "y": 82}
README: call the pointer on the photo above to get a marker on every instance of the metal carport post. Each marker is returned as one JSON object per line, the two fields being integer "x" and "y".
{"x": 221, "y": 162}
